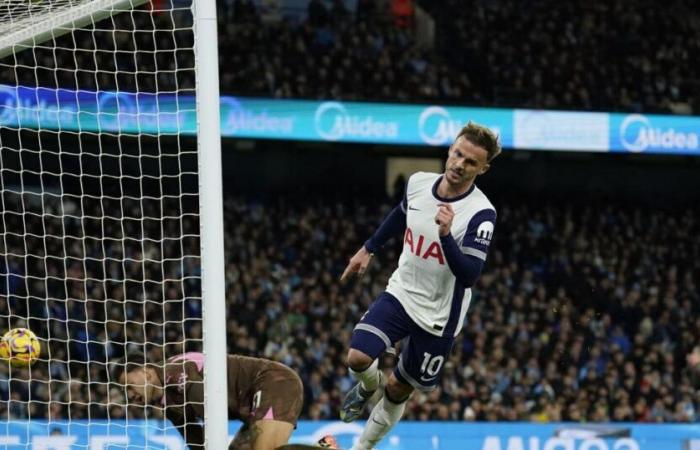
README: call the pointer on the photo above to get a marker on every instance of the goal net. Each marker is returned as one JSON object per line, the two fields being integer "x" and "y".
{"x": 99, "y": 212}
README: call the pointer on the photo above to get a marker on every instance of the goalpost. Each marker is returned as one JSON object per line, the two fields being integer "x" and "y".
{"x": 111, "y": 221}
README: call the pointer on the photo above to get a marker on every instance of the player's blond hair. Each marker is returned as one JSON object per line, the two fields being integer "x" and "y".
{"x": 483, "y": 137}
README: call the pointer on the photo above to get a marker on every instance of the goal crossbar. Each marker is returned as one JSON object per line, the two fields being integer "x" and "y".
{"x": 32, "y": 29}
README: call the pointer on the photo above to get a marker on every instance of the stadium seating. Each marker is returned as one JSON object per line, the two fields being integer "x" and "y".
{"x": 543, "y": 54}
{"x": 583, "y": 314}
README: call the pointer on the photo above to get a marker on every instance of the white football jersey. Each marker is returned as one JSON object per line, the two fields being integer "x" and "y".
{"x": 423, "y": 281}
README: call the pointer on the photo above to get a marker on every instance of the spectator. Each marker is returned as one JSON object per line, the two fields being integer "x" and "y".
{"x": 607, "y": 55}
{"x": 403, "y": 12}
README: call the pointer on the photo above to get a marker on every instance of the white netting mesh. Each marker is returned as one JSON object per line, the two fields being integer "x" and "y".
{"x": 99, "y": 245}
{"x": 15, "y": 14}
{"x": 25, "y": 24}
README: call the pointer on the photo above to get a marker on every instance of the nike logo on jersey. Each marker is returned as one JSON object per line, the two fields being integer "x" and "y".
{"x": 412, "y": 208}
{"x": 423, "y": 249}
{"x": 427, "y": 380}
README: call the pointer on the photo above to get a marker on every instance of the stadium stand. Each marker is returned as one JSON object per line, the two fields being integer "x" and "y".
{"x": 612, "y": 56}
{"x": 544, "y": 54}
{"x": 584, "y": 313}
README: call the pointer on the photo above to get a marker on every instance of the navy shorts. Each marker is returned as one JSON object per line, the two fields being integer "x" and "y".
{"x": 423, "y": 354}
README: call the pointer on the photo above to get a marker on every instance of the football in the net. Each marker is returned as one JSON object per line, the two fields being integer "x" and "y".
{"x": 20, "y": 347}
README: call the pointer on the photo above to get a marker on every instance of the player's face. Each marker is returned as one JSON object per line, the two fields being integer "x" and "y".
{"x": 465, "y": 161}
{"x": 139, "y": 388}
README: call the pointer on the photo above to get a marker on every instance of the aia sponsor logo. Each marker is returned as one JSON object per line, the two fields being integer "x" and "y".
{"x": 423, "y": 247}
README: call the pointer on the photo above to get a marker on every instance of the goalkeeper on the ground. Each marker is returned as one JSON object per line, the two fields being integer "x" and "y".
{"x": 265, "y": 395}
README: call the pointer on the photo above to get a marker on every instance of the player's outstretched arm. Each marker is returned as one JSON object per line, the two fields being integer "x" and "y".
{"x": 185, "y": 417}
{"x": 393, "y": 224}
{"x": 184, "y": 420}
{"x": 358, "y": 264}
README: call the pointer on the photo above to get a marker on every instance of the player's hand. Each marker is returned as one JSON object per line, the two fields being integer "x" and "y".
{"x": 444, "y": 218}
{"x": 358, "y": 263}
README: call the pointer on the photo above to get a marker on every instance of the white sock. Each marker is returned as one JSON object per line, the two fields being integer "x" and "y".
{"x": 382, "y": 419}
{"x": 368, "y": 378}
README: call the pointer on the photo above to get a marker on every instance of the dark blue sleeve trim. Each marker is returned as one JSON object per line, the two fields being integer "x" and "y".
{"x": 466, "y": 268}
{"x": 394, "y": 223}
{"x": 480, "y": 232}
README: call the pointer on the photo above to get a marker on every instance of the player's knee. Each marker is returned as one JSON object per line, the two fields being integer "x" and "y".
{"x": 270, "y": 434}
{"x": 397, "y": 391}
{"x": 358, "y": 361}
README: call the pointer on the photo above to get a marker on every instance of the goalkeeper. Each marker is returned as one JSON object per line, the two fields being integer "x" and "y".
{"x": 265, "y": 395}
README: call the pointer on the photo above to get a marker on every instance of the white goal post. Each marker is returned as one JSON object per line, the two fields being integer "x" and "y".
{"x": 212, "y": 220}
{"x": 111, "y": 211}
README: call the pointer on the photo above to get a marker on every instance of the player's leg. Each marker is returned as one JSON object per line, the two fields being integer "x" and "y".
{"x": 326, "y": 442}
{"x": 385, "y": 414}
{"x": 272, "y": 434}
{"x": 365, "y": 369}
{"x": 297, "y": 447}
{"x": 275, "y": 408}
{"x": 382, "y": 325}
{"x": 420, "y": 365}
{"x": 262, "y": 435}
{"x": 243, "y": 440}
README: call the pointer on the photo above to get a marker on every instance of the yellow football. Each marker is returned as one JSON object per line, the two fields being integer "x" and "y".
{"x": 20, "y": 347}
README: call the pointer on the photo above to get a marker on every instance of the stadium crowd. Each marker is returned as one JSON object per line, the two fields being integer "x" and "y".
{"x": 597, "y": 55}
{"x": 584, "y": 313}
{"x": 604, "y": 55}
{"x": 89, "y": 276}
